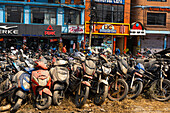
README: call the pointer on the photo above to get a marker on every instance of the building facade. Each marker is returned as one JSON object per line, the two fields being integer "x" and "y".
{"x": 110, "y": 26}
{"x": 41, "y": 23}
{"x": 154, "y": 15}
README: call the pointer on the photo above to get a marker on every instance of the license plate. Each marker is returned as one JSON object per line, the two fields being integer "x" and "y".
{"x": 42, "y": 82}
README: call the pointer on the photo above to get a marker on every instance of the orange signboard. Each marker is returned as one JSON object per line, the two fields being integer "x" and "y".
{"x": 1, "y": 39}
{"x": 103, "y": 28}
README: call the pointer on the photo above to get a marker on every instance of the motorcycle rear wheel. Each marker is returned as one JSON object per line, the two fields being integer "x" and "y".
{"x": 47, "y": 100}
{"x": 80, "y": 100}
{"x": 156, "y": 92}
{"x": 136, "y": 90}
{"x": 120, "y": 93}
{"x": 103, "y": 91}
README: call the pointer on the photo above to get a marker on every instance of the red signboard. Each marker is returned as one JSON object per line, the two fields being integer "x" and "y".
{"x": 1, "y": 39}
{"x": 50, "y": 31}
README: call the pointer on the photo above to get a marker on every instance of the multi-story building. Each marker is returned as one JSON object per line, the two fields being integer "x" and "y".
{"x": 41, "y": 22}
{"x": 154, "y": 15}
{"x": 111, "y": 23}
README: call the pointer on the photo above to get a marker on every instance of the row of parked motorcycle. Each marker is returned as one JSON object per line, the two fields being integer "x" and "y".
{"x": 48, "y": 76}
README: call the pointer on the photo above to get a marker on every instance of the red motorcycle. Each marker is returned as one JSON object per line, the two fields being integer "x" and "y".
{"x": 41, "y": 85}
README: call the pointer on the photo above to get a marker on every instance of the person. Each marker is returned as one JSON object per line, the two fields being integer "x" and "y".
{"x": 24, "y": 47}
{"x": 117, "y": 51}
{"x": 64, "y": 49}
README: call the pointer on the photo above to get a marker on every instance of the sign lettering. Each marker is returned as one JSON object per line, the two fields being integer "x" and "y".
{"x": 8, "y": 30}
{"x": 49, "y": 31}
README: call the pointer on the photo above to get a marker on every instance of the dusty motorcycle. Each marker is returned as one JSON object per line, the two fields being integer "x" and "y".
{"x": 99, "y": 83}
{"x": 118, "y": 87}
{"x": 60, "y": 79}
{"x": 22, "y": 81}
{"x": 79, "y": 81}
{"x": 41, "y": 85}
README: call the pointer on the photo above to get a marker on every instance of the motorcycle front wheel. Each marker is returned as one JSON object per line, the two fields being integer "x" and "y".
{"x": 136, "y": 90}
{"x": 81, "y": 98}
{"x": 157, "y": 93}
{"x": 43, "y": 102}
{"x": 120, "y": 93}
{"x": 58, "y": 97}
{"x": 103, "y": 91}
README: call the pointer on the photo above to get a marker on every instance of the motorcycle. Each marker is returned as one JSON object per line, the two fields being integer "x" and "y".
{"x": 22, "y": 81}
{"x": 118, "y": 87}
{"x": 79, "y": 81}
{"x": 41, "y": 85}
{"x": 99, "y": 82}
{"x": 60, "y": 79}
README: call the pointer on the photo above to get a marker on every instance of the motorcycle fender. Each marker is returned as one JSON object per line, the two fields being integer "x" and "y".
{"x": 86, "y": 83}
{"x": 58, "y": 87}
{"x": 103, "y": 81}
{"x": 47, "y": 91}
{"x": 20, "y": 94}
{"x": 138, "y": 79}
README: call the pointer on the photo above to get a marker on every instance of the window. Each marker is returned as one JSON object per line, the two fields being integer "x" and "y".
{"x": 14, "y": 14}
{"x": 43, "y": 16}
{"x": 156, "y": 19}
{"x": 110, "y": 13}
{"x": 71, "y": 16}
{"x": 158, "y": 0}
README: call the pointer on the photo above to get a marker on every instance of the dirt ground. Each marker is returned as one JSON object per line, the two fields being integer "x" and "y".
{"x": 138, "y": 105}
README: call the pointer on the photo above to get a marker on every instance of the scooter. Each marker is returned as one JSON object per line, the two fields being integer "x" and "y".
{"x": 41, "y": 85}
{"x": 60, "y": 79}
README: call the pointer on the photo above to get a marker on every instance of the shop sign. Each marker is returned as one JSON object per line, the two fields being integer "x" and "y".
{"x": 76, "y": 28}
{"x": 159, "y": 9}
{"x": 111, "y": 1}
{"x": 53, "y": 40}
{"x": 8, "y": 30}
{"x": 1, "y": 39}
{"x": 50, "y": 31}
{"x": 107, "y": 28}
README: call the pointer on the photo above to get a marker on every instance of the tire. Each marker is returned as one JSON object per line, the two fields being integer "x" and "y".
{"x": 156, "y": 92}
{"x": 80, "y": 100}
{"x": 17, "y": 105}
{"x": 103, "y": 91}
{"x": 136, "y": 90}
{"x": 120, "y": 93}
{"x": 58, "y": 97}
{"x": 43, "y": 105}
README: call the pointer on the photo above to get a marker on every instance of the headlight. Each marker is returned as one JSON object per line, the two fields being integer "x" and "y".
{"x": 166, "y": 67}
{"x": 26, "y": 84}
{"x": 106, "y": 70}
{"x": 42, "y": 82}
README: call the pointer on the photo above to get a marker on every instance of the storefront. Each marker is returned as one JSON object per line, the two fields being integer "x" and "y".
{"x": 108, "y": 35}
{"x": 75, "y": 36}
{"x": 34, "y": 36}
{"x": 137, "y": 33}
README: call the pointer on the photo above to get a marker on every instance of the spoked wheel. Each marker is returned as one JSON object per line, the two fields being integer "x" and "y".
{"x": 43, "y": 101}
{"x": 103, "y": 91}
{"x": 157, "y": 93}
{"x": 135, "y": 90}
{"x": 81, "y": 98}
{"x": 120, "y": 93}
{"x": 58, "y": 97}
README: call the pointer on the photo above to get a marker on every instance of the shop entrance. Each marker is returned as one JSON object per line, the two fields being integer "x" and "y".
{"x": 69, "y": 44}
{"x": 119, "y": 43}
